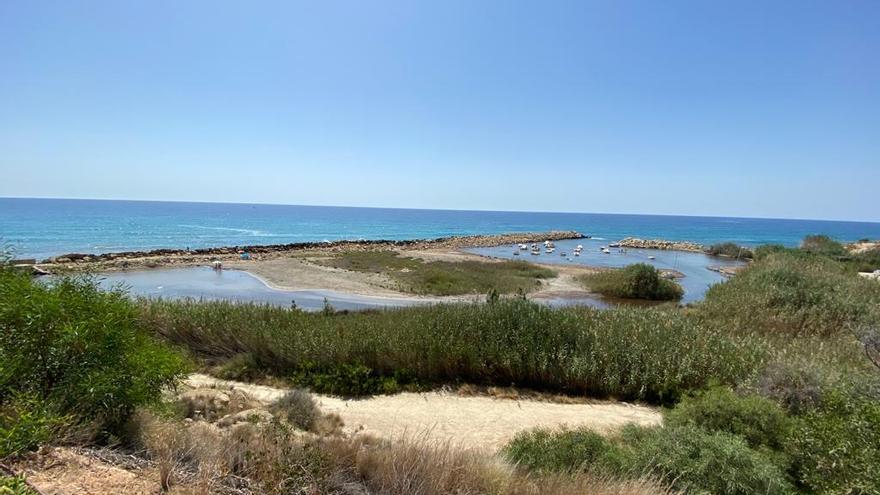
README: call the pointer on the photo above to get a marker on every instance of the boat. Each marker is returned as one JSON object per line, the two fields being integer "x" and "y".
{"x": 606, "y": 250}
{"x": 562, "y": 253}
{"x": 579, "y": 247}
{"x": 652, "y": 257}
{"x": 614, "y": 244}
{"x": 516, "y": 253}
{"x": 577, "y": 253}
{"x": 523, "y": 247}
{"x": 535, "y": 252}
{"x": 550, "y": 250}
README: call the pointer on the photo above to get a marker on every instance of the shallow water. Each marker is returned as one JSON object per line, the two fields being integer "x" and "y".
{"x": 697, "y": 277}
{"x": 234, "y": 285}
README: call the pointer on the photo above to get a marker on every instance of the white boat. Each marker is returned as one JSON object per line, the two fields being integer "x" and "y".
{"x": 606, "y": 250}
{"x": 652, "y": 257}
{"x": 579, "y": 247}
{"x": 523, "y": 247}
{"x": 550, "y": 250}
{"x": 614, "y": 244}
{"x": 535, "y": 252}
{"x": 577, "y": 253}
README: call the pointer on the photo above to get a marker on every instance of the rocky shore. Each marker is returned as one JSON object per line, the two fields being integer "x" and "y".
{"x": 634, "y": 242}
{"x": 167, "y": 257}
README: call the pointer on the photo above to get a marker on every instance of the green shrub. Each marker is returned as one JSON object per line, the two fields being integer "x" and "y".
{"x": 562, "y": 451}
{"x": 26, "y": 422}
{"x": 836, "y": 447}
{"x": 696, "y": 461}
{"x": 790, "y": 293}
{"x": 867, "y": 261}
{"x": 638, "y": 281}
{"x": 823, "y": 245}
{"x": 731, "y": 250}
{"x": 78, "y": 350}
{"x": 688, "y": 458}
{"x": 14, "y": 485}
{"x": 761, "y": 422}
{"x": 622, "y": 352}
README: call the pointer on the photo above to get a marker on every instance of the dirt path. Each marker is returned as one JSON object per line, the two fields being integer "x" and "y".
{"x": 472, "y": 421}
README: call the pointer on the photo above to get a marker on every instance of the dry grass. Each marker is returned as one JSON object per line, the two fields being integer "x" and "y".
{"x": 276, "y": 459}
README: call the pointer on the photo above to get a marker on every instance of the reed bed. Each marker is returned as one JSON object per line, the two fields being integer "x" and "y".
{"x": 651, "y": 355}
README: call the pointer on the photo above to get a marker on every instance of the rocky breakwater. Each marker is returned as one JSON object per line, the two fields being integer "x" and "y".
{"x": 171, "y": 257}
{"x": 633, "y": 242}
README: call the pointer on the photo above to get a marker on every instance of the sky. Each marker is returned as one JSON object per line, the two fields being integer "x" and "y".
{"x": 746, "y": 108}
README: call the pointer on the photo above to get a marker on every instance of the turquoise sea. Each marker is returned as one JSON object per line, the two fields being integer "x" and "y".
{"x": 39, "y": 228}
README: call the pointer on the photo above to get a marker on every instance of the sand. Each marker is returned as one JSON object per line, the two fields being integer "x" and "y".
{"x": 472, "y": 421}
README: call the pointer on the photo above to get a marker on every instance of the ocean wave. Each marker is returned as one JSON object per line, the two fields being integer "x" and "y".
{"x": 251, "y": 232}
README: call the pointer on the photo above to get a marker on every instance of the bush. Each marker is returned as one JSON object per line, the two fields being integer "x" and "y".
{"x": 298, "y": 408}
{"x": 696, "y": 461}
{"x": 688, "y": 458}
{"x": 26, "y": 422}
{"x": 836, "y": 447}
{"x": 638, "y": 281}
{"x": 78, "y": 351}
{"x": 562, "y": 451}
{"x": 14, "y": 485}
{"x": 792, "y": 293}
{"x": 824, "y": 246}
{"x": 731, "y": 250}
{"x": 622, "y": 352}
{"x": 761, "y": 422}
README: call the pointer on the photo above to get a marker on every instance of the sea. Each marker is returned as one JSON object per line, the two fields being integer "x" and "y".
{"x": 41, "y": 228}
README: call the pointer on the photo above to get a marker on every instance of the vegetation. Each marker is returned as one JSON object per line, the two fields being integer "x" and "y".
{"x": 824, "y": 246}
{"x": 792, "y": 293}
{"x": 730, "y": 250}
{"x": 691, "y": 459}
{"x": 759, "y": 421}
{"x": 836, "y": 447}
{"x": 444, "y": 278}
{"x": 629, "y": 353}
{"x": 274, "y": 458}
{"x": 768, "y": 381}
{"x": 72, "y": 357}
{"x": 14, "y": 485}
{"x": 638, "y": 281}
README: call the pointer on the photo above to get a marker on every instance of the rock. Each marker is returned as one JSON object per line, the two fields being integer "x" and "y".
{"x": 247, "y": 416}
{"x": 633, "y": 242}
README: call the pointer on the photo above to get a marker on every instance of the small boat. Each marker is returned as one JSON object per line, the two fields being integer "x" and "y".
{"x": 577, "y": 253}
{"x": 549, "y": 250}
{"x": 652, "y": 257}
{"x": 606, "y": 250}
{"x": 562, "y": 253}
{"x": 535, "y": 252}
{"x": 516, "y": 253}
{"x": 523, "y": 247}
{"x": 614, "y": 244}
{"x": 579, "y": 247}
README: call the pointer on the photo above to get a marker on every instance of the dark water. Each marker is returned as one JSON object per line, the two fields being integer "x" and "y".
{"x": 45, "y": 227}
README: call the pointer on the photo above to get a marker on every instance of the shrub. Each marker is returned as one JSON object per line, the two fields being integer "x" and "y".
{"x": 565, "y": 451}
{"x": 298, "y": 408}
{"x": 696, "y": 461}
{"x": 78, "y": 351}
{"x": 823, "y": 245}
{"x": 688, "y": 458}
{"x": 26, "y": 422}
{"x": 638, "y": 281}
{"x": 836, "y": 447}
{"x": 15, "y": 485}
{"x": 731, "y": 250}
{"x": 792, "y": 294}
{"x": 761, "y": 422}
{"x": 622, "y": 352}
{"x": 867, "y": 261}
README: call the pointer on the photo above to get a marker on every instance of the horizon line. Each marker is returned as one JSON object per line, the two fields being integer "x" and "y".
{"x": 442, "y": 209}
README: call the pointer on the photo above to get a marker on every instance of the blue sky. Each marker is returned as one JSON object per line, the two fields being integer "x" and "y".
{"x": 744, "y": 108}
